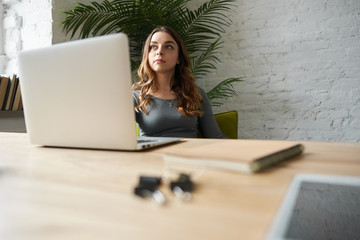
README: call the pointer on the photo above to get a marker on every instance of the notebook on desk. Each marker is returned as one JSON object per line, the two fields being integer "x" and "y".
{"x": 246, "y": 156}
{"x": 78, "y": 94}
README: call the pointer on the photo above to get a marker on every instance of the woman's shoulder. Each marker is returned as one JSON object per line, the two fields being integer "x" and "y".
{"x": 136, "y": 93}
{"x": 202, "y": 93}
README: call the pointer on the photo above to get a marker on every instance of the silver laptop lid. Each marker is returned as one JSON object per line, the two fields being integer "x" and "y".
{"x": 78, "y": 94}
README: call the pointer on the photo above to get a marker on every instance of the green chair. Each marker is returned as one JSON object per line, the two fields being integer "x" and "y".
{"x": 227, "y": 121}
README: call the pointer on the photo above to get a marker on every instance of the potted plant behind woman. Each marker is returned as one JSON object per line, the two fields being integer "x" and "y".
{"x": 200, "y": 29}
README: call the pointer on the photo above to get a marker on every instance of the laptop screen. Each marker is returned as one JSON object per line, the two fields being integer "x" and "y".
{"x": 78, "y": 94}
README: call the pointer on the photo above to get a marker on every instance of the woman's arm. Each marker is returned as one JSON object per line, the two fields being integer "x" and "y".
{"x": 207, "y": 123}
{"x": 136, "y": 103}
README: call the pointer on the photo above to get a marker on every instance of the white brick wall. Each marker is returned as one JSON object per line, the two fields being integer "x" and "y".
{"x": 26, "y": 24}
{"x": 301, "y": 60}
{"x": 2, "y": 55}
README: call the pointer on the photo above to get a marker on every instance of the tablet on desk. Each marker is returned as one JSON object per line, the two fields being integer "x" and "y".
{"x": 319, "y": 207}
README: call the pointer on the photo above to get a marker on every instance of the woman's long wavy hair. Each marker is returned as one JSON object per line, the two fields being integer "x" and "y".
{"x": 189, "y": 100}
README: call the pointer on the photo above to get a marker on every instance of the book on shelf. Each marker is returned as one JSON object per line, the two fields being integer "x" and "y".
{"x": 247, "y": 156}
{"x": 20, "y": 104}
{"x": 11, "y": 93}
{"x": 17, "y": 98}
{"x": 4, "y": 85}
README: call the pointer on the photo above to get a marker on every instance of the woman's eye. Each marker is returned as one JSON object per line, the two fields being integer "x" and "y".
{"x": 169, "y": 47}
{"x": 153, "y": 47}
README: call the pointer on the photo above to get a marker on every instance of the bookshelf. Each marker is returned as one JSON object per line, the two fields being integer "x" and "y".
{"x": 12, "y": 121}
{"x": 11, "y": 114}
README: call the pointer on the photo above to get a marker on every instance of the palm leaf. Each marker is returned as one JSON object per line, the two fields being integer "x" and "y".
{"x": 200, "y": 29}
{"x": 90, "y": 18}
{"x": 223, "y": 90}
{"x": 204, "y": 63}
{"x": 206, "y": 24}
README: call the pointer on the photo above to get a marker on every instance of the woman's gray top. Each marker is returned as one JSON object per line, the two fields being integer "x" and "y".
{"x": 163, "y": 120}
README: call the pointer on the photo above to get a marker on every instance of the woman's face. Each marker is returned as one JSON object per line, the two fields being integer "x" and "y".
{"x": 164, "y": 53}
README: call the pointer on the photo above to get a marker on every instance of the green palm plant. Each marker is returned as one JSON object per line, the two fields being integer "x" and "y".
{"x": 200, "y": 29}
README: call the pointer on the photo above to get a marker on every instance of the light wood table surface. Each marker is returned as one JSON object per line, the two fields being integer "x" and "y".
{"x": 58, "y": 193}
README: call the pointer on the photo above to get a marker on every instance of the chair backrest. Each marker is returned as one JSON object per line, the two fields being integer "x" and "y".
{"x": 227, "y": 121}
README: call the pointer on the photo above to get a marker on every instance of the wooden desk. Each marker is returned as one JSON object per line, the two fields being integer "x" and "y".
{"x": 54, "y": 193}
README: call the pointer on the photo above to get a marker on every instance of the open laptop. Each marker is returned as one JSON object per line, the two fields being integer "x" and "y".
{"x": 78, "y": 94}
{"x": 319, "y": 207}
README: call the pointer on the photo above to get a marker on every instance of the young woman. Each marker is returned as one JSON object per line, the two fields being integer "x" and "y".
{"x": 167, "y": 101}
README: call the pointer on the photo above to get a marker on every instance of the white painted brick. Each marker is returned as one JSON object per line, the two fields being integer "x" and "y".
{"x": 12, "y": 21}
{"x": 11, "y": 48}
{"x": 3, "y": 59}
{"x": 10, "y": 2}
{"x": 26, "y": 24}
